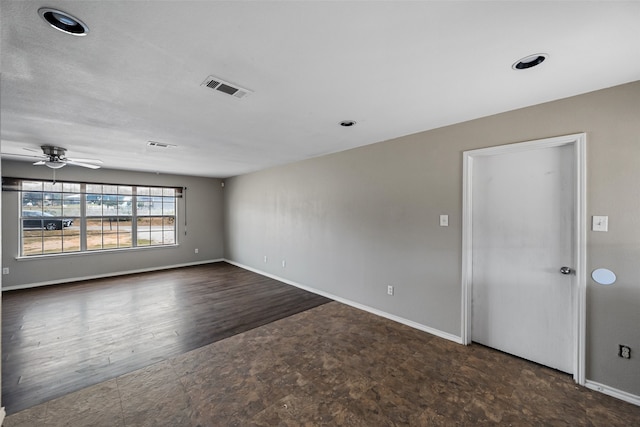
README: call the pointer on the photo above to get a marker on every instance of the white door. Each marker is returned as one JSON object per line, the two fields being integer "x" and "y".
{"x": 523, "y": 213}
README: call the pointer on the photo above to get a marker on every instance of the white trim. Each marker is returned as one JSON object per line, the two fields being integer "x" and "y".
{"x": 467, "y": 264}
{"x": 354, "y": 304}
{"x": 111, "y": 274}
{"x": 580, "y": 327}
{"x": 613, "y": 392}
{"x": 21, "y": 258}
{"x": 3, "y": 414}
{"x": 579, "y": 315}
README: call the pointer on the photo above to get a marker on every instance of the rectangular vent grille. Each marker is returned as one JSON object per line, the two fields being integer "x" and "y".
{"x": 213, "y": 84}
{"x": 160, "y": 145}
{"x": 226, "y": 87}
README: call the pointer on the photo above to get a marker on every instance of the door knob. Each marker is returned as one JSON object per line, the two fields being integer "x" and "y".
{"x": 565, "y": 270}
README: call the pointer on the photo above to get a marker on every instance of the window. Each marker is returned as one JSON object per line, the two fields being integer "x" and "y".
{"x": 156, "y": 216}
{"x": 109, "y": 216}
{"x": 65, "y": 217}
{"x": 50, "y": 218}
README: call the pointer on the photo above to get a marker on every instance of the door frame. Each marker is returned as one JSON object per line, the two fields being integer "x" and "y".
{"x": 579, "y": 279}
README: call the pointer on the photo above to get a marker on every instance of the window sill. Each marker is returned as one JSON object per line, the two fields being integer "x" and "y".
{"x": 94, "y": 252}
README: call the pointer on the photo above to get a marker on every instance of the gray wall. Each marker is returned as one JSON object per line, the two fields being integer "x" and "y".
{"x": 350, "y": 223}
{"x": 204, "y": 228}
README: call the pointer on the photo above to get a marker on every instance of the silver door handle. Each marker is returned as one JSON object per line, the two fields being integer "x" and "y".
{"x": 565, "y": 270}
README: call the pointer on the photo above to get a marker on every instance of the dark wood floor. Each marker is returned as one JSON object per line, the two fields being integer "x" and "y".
{"x": 59, "y": 339}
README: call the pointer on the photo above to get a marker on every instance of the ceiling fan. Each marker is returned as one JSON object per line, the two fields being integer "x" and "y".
{"x": 55, "y": 158}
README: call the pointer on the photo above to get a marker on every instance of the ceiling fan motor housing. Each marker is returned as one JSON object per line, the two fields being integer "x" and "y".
{"x": 54, "y": 153}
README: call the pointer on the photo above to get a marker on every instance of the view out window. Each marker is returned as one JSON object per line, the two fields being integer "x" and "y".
{"x": 109, "y": 216}
{"x": 75, "y": 217}
{"x": 156, "y": 216}
{"x": 50, "y": 218}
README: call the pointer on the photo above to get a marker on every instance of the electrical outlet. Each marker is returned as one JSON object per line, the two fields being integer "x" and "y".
{"x": 5, "y": 270}
{"x": 196, "y": 250}
{"x": 624, "y": 351}
{"x": 284, "y": 263}
{"x": 266, "y": 259}
{"x": 390, "y": 290}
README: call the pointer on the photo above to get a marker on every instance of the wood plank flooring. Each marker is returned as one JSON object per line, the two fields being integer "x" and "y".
{"x": 62, "y": 338}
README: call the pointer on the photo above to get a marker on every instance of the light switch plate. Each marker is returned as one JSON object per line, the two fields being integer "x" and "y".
{"x": 600, "y": 223}
{"x": 444, "y": 220}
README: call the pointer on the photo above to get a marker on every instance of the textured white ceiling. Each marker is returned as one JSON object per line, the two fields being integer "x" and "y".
{"x": 394, "y": 67}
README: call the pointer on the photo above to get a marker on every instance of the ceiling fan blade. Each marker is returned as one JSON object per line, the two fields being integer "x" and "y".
{"x": 24, "y": 155}
{"x": 84, "y": 165}
{"x": 74, "y": 160}
{"x": 54, "y": 158}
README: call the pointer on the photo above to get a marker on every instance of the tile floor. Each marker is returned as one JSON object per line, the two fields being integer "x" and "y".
{"x": 335, "y": 365}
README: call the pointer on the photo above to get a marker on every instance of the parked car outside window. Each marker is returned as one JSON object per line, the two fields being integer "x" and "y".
{"x": 37, "y": 219}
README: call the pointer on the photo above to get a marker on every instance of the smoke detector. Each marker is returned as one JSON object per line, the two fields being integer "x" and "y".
{"x": 217, "y": 84}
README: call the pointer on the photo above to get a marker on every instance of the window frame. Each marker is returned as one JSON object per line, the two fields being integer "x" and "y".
{"x": 170, "y": 196}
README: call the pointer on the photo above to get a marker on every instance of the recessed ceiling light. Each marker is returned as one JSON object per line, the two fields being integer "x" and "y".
{"x": 63, "y": 21}
{"x": 529, "y": 61}
{"x": 347, "y": 123}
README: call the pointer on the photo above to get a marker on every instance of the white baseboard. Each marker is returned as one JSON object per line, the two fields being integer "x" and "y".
{"x": 357, "y": 305}
{"x": 614, "y": 392}
{"x": 111, "y": 274}
{"x": 2, "y": 415}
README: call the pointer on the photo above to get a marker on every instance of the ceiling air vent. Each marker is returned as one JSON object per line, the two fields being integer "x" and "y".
{"x": 220, "y": 85}
{"x": 160, "y": 144}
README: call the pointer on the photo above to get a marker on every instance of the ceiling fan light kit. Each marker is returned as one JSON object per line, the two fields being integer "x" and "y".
{"x": 54, "y": 165}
